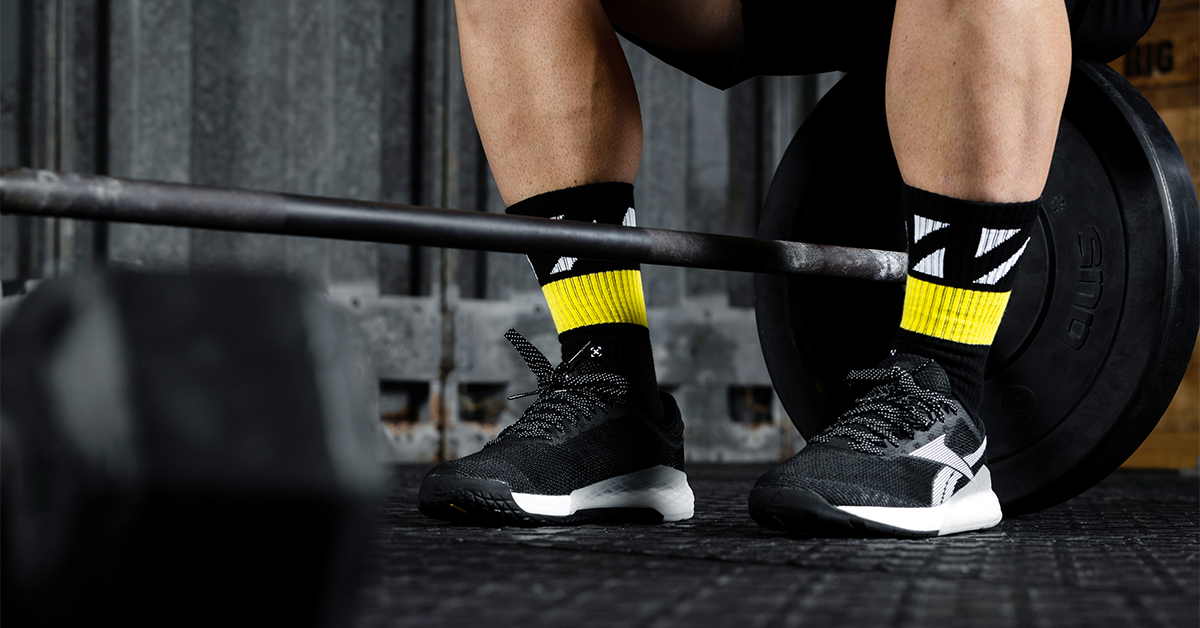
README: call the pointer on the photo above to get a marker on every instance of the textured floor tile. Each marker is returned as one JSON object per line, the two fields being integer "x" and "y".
{"x": 1126, "y": 553}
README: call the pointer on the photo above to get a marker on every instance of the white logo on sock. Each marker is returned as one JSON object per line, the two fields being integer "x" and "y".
{"x": 567, "y": 263}
{"x": 563, "y": 265}
{"x": 925, "y": 226}
{"x": 992, "y": 238}
{"x": 932, "y": 264}
{"x": 1000, "y": 271}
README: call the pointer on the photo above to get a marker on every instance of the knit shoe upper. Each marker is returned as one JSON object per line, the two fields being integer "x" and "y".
{"x": 906, "y": 460}
{"x": 581, "y": 452}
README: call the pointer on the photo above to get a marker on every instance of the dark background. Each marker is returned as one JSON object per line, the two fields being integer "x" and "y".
{"x": 365, "y": 99}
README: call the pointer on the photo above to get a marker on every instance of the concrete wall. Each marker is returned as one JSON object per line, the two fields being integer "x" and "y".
{"x": 365, "y": 99}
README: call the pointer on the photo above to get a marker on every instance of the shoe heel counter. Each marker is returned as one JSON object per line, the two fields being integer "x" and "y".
{"x": 673, "y": 428}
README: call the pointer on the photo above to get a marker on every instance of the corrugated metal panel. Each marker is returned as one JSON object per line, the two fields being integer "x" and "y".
{"x": 365, "y": 99}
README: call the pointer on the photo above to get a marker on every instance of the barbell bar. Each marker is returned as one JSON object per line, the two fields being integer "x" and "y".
{"x": 90, "y": 197}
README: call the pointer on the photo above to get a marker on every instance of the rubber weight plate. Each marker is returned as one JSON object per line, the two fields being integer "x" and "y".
{"x": 1103, "y": 315}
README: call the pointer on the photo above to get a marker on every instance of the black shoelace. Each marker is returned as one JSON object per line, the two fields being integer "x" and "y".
{"x": 564, "y": 392}
{"x": 892, "y": 411}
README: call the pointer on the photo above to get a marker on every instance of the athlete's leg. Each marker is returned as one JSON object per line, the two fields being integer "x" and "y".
{"x": 555, "y": 106}
{"x": 552, "y": 95}
{"x": 975, "y": 89}
{"x": 551, "y": 91}
{"x": 556, "y": 109}
{"x": 974, "y": 93}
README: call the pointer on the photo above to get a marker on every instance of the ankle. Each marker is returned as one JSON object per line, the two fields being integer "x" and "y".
{"x": 963, "y": 364}
{"x": 623, "y": 349}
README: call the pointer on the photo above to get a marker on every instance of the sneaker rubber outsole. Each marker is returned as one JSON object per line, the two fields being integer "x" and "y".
{"x": 801, "y": 511}
{"x": 655, "y": 495}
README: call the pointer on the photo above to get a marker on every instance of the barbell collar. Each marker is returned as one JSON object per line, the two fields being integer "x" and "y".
{"x": 90, "y": 197}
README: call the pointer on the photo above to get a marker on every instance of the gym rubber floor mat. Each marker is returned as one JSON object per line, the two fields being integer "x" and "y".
{"x": 1125, "y": 553}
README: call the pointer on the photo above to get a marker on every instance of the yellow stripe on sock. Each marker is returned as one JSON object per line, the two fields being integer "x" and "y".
{"x": 966, "y": 316}
{"x": 613, "y": 296}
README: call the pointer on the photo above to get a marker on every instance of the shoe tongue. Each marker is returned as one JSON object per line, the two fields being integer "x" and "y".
{"x": 926, "y": 373}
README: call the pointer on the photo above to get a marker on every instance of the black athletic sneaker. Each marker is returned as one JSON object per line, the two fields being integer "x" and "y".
{"x": 580, "y": 453}
{"x": 907, "y": 460}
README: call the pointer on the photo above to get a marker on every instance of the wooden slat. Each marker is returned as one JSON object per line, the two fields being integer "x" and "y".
{"x": 399, "y": 136}
{"x": 467, "y": 183}
{"x": 1174, "y": 443}
{"x": 10, "y": 135}
{"x": 1173, "y": 88}
{"x": 747, "y": 131}
{"x": 432, "y": 158}
{"x": 308, "y": 143}
{"x": 508, "y": 276}
{"x": 1168, "y": 55}
{"x": 240, "y": 138}
{"x": 150, "y": 117}
{"x": 709, "y": 170}
{"x": 356, "y": 49}
{"x": 1166, "y": 450}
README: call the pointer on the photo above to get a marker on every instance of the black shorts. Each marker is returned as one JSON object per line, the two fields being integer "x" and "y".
{"x": 789, "y": 37}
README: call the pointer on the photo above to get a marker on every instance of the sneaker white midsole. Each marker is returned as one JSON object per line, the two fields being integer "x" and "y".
{"x": 973, "y": 508}
{"x": 662, "y": 488}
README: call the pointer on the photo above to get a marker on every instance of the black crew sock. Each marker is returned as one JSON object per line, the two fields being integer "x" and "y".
{"x": 597, "y": 301}
{"x": 963, "y": 257}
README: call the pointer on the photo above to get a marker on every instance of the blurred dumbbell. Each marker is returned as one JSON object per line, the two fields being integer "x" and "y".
{"x": 183, "y": 449}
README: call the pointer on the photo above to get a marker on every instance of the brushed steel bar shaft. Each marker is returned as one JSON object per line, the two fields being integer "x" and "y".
{"x": 90, "y": 197}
